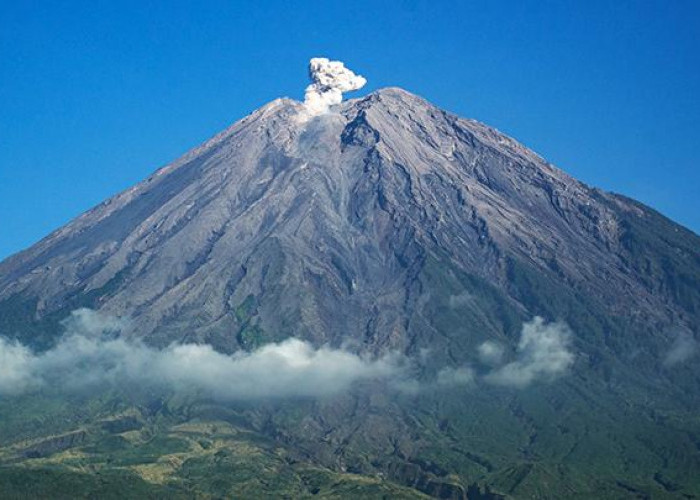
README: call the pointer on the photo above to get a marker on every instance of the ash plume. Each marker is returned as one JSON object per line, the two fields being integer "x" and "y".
{"x": 329, "y": 80}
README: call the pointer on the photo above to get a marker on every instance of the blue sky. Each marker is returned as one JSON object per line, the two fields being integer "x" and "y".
{"x": 96, "y": 95}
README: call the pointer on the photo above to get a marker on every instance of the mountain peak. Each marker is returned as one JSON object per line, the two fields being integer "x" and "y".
{"x": 388, "y": 97}
{"x": 395, "y": 93}
{"x": 357, "y": 196}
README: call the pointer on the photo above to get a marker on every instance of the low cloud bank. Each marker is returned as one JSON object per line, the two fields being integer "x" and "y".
{"x": 543, "y": 353}
{"x": 90, "y": 355}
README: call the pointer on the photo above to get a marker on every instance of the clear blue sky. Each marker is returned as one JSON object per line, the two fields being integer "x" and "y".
{"x": 96, "y": 95}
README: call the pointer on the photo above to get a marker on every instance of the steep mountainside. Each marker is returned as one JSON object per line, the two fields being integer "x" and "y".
{"x": 348, "y": 207}
{"x": 387, "y": 225}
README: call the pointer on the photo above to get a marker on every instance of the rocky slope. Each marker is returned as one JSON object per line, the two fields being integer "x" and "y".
{"x": 345, "y": 208}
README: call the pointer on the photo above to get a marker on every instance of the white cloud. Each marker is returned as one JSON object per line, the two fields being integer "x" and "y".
{"x": 448, "y": 377}
{"x": 543, "y": 354}
{"x": 683, "y": 348}
{"x": 329, "y": 80}
{"x": 290, "y": 368}
{"x": 90, "y": 354}
{"x": 15, "y": 368}
{"x": 88, "y": 323}
{"x": 490, "y": 353}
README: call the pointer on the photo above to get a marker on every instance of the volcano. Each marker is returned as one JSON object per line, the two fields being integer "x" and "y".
{"x": 389, "y": 225}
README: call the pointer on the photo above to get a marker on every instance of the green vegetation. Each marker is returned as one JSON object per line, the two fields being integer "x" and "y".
{"x": 60, "y": 483}
{"x": 522, "y": 444}
{"x": 171, "y": 457}
{"x": 250, "y": 335}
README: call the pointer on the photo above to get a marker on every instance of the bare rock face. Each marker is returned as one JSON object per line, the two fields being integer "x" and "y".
{"x": 326, "y": 228}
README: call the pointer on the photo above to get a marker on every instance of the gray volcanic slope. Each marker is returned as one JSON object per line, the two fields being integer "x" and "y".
{"x": 390, "y": 224}
{"x": 323, "y": 229}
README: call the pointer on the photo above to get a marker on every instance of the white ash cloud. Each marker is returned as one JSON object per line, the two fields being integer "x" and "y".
{"x": 90, "y": 355}
{"x": 543, "y": 353}
{"x": 684, "y": 347}
{"x": 329, "y": 80}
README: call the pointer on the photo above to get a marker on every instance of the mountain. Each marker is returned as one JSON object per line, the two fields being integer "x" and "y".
{"x": 389, "y": 225}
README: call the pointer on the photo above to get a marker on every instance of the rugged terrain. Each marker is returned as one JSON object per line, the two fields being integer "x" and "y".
{"x": 386, "y": 225}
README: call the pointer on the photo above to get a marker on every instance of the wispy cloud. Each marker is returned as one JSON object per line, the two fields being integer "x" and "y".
{"x": 543, "y": 353}
{"x": 491, "y": 353}
{"x": 16, "y": 375}
{"x": 448, "y": 377}
{"x": 684, "y": 347}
